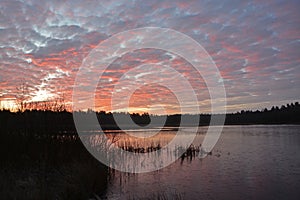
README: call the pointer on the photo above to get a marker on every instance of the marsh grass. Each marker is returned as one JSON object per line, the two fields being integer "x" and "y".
{"x": 160, "y": 195}
{"x": 49, "y": 168}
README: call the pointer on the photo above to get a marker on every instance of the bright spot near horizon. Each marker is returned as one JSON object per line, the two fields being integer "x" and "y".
{"x": 42, "y": 95}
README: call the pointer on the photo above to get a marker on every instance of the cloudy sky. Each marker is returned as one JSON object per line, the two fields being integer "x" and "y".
{"x": 254, "y": 44}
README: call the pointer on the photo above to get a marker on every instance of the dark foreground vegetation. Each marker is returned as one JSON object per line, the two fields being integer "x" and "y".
{"x": 48, "y": 168}
{"x": 42, "y": 156}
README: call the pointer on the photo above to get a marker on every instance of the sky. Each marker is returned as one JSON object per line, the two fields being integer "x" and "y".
{"x": 254, "y": 44}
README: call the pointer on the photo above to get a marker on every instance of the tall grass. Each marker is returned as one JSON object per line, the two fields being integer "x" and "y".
{"x": 160, "y": 195}
{"x": 48, "y": 168}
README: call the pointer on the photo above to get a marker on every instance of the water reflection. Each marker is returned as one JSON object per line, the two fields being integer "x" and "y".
{"x": 248, "y": 162}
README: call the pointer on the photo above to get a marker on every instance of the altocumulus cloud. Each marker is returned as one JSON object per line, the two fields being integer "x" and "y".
{"x": 255, "y": 45}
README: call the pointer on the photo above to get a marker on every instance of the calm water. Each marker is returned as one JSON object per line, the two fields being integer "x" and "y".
{"x": 248, "y": 162}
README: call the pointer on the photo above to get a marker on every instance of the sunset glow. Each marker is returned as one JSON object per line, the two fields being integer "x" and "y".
{"x": 255, "y": 45}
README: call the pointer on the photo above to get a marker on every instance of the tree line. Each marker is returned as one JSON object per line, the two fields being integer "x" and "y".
{"x": 48, "y": 121}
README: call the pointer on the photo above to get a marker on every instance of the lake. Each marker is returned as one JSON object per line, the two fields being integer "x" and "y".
{"x": 248, "y": 162}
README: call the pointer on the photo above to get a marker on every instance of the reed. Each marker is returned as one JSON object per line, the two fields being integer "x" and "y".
{"x": 48, "y": 167}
